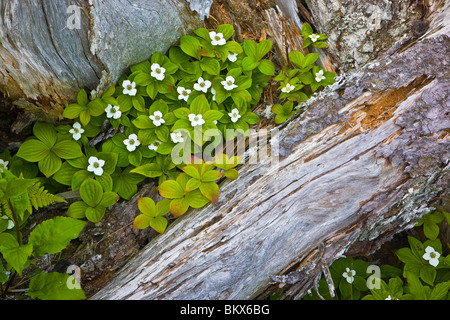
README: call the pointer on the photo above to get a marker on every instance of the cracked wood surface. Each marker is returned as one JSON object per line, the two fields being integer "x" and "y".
{"x": 367, "y": 159}
{"x": 43, "y": 63}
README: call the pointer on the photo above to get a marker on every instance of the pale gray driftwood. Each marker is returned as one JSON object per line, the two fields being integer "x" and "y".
{"x": 47, "y": 54}
{"x": 367, "y": 159}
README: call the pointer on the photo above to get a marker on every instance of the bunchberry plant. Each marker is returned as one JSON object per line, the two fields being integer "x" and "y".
{"x": 422, "y": 271}
{"x": 164, "y": 120}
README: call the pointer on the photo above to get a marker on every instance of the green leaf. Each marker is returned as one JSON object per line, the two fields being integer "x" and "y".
{"x": 91, "y": 192}
{"x": 67, "y": 149}
{"x": 249, "y": 63}
{"x": 199, "y": 105}
{"x": 82, "y": 97}
{"x": 141, "y": 222}
{"x": 210, "y": 65}
{"x": 190, "y": 46}
{"x": 263, "y": 48}
{"x": 210, "y": 190}
{"x": 147, "y": 206}
{"x": 33, "y": 150}
{"x": 77, "y": 210}
{"x": 54, "y": 286}
{"x": 79, "y": 177}
{"x": 250, "y": 49}
{"x": 72, "y": 111}
{"x": 226, "y": 29}
{"x": 428, "y": 274}
{"x": 415, "y": 286}
{"x": 150, "y": 170}
{"x": 111, "y": 159}
{"x": 14, "y": 254}
{"x": 50, "y": 164}
{"x": 45, "y": 132}
{"x": 211, "y": 175}
{"x": 196, "y": 199}
{"x": 192, "y": 184}
{"x": 52, "y": 236}
{"x": 158, "y": 223}
{"x": 95, "y": 214}
{"x": 109, "y": 199}
{"x": 96, "y": 107}
{"x": 266, "y": 67}
{"x": 65, "y": 174}
{"x": 179, "y": 206}
{"x": 192, "y": 171}
{"x": 440, "y": 291}
{"x": 171, "y": 190}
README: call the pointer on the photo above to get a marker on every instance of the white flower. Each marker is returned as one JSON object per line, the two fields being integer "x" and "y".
{"x": 129, "y": 88}
{"x": 232, "y": 57}
{"x": 157, "y": 118}
{"x": 202, "y": 85}
{"x": 234, "y": 115}
{"x": 132, "y": 142}
{"x": 214, "y": 94}
{"x": 314, "y": 37}
{"x": 196, "y": 120}
{"x": 217, "y": 39}
{"x": 320, "y": 76}
{"x": 349, "y": 275}
{"x": 288, "y": 88}
{"x": 158, "y": 72}
{"x": 183, "y": 93}
{"x": 154, "y": 146}
{"x": 76, "y": 131}
{"x": 3, "y": 165}
{"x": 177, "y": 137}
{"x": 431, "y": 256}
{"x": 113, "y": 112}
{"x": 96, "y": 166}
{"x": 10, "y": 222}
{"x": 228, "y": 84}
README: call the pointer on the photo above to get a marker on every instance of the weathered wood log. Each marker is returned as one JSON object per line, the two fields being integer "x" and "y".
{"x": 366, "y": 160}
{"x": 49, "y": 50}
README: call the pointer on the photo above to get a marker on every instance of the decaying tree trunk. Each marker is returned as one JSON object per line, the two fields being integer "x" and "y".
{"x": 366, "y": 160}
{"x": 49, "y": 50}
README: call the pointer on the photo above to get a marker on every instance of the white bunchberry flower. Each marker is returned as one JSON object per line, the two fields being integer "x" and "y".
{"x": 96, "y": 166}
{"x": 113, "y": 112}
{"x": 288, "y": 88}
{"x": 213, "y": 91}
{"x": 3, "y": 165}
{"x": 183, "y": 93}
{"x": 228, "y": 84}
{"x": 132, "y": 142}
{"x": 196, "y": 120}
{"x": 349, "y": 275}
{"x": 234, "y": 115}
{"x": 157, "y": 118}
{"x": 76, "y": 131}
{"x": 158, "y": 72}
{"x": 202, "y": 85}
{"x": 154, "y": 146}
{"x": 129, "y": 88}
{"x": 432, "y": 256}
{"x": 10, "y": 222}
{"x": 320, "y": 76}
{"x": 177, "y": 137}
{"x": 314, "y": 37}
{"x": 217, "y": 39}
{"x": 232, "y": 57}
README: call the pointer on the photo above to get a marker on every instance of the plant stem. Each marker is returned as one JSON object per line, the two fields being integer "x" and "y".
{"x": 16, "y": 223}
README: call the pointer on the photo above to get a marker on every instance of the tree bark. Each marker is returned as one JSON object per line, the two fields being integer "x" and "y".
{"x": 49, "y": 50}
{"x": 366, "y": 160}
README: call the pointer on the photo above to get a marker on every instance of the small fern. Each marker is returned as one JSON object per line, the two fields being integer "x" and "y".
{"x": 40, "y": 198}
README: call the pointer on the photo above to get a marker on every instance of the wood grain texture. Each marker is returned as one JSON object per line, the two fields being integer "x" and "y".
{"x": 366, "y": 160}
{"x": 43, "y": 63}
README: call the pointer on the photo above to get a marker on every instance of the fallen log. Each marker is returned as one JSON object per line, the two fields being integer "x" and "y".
{"x": 366, "y": 160}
